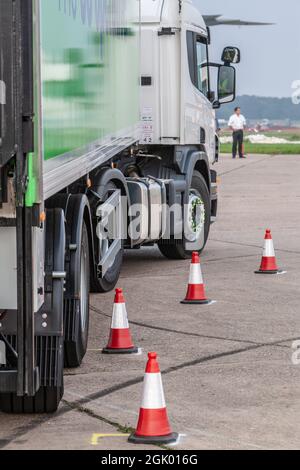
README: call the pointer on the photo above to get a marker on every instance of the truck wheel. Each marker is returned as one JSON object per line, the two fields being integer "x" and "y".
{"x": 198, "y": 194}
{"x": 76, "y": 335}
{"x": 49, "y": 349}
{"x": 109, "y": 281}
{"x": 78, "y": 225}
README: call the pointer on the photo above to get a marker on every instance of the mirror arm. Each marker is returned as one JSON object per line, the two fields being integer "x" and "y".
{"x": 216, "y": 104}
{"x": 214, "y": 64}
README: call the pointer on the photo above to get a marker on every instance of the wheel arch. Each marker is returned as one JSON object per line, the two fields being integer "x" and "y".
{"x": 197, "y": 161}
{"x": 104, "y": 176}
{"x": 201, "y": 166}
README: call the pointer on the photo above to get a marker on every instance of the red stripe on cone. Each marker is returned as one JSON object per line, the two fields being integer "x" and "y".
{"x": 119, "y": 297}
{"x": 152, "y": 366}
{"x": 120, "y": 339}
{"x": 196, "y": 292}
{"x": 268, "y": 264}
{"x": 153, "y": 423}
{"x": 268, "y": 235}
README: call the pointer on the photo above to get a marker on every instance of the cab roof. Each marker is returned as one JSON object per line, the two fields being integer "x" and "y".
{"x": 168, "y": 11}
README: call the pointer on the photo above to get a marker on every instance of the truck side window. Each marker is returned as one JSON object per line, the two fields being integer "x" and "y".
{"x": 198, "y": 61}
{"x": 202, "y": 66}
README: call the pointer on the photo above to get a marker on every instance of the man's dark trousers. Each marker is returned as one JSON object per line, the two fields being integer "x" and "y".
{"x": 238, "y": 139}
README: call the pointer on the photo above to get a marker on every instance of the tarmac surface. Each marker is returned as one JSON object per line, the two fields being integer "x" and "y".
{"x": 228, "y": 374}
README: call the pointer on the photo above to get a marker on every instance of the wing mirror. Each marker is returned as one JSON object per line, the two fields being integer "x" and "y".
{"x": 226, "y": 85}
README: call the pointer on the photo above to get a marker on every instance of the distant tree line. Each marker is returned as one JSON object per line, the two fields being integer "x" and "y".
{"x": 256, "y": 107}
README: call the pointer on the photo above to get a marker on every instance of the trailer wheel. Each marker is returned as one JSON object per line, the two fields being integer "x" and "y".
{"x": 109, "y": 281}
{"x": 76, "y": 336}
{"x": 49, "y": 350}
{"x": 175, "y": 249}
{"x": 78, "y": 259}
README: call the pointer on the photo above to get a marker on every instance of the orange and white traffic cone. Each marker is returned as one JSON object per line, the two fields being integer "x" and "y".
{"x": 120, "y": 341}
{"x": 196, "y": 290}
{"x": 268, "y": 262}
{"x": 153, "y": 425}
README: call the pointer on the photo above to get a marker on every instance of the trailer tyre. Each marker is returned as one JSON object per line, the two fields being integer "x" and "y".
{"x": 76, "y": 344}
{"x": 175, "y": 249}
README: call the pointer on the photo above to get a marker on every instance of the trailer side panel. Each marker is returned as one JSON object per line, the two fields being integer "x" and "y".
{"x": 89, "y": 85}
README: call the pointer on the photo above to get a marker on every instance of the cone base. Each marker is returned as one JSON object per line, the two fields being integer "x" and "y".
{"x": 169, "y": 439}
{"x": 196, "y": 302}
{"x": 120, "y": 351}
{"x": 277, "y": 271}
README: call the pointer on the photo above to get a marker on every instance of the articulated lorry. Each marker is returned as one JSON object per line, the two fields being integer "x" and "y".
{"x": 101, "y": 102}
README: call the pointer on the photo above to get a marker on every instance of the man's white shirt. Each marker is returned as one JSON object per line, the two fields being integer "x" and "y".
{"x": 238, "y": 123}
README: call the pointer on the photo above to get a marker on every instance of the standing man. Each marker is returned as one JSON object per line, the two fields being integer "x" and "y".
{"x": 237, "y": 124}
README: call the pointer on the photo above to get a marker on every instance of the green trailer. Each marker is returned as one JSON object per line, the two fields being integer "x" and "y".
{"x": 69, "y": 103}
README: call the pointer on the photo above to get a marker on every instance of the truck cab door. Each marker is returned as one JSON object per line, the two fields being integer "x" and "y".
{"x": 198, "y": 116}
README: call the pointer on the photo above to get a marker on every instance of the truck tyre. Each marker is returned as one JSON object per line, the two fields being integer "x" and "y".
{"x": 49, "y": 349}
{"x": 78, "y": 256}
{"x": 76, "y": 334}
{"x": 109, "y": 281}
{"x": 175, "y": 249}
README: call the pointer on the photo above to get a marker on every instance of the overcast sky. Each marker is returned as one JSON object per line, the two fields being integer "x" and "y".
{"x": 270, "y": 55}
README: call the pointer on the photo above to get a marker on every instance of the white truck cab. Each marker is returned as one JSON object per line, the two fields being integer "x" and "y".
{"x": 176, "y": 97}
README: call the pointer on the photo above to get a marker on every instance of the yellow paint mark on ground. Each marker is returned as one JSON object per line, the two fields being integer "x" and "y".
{"x": 97, "y": 437}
